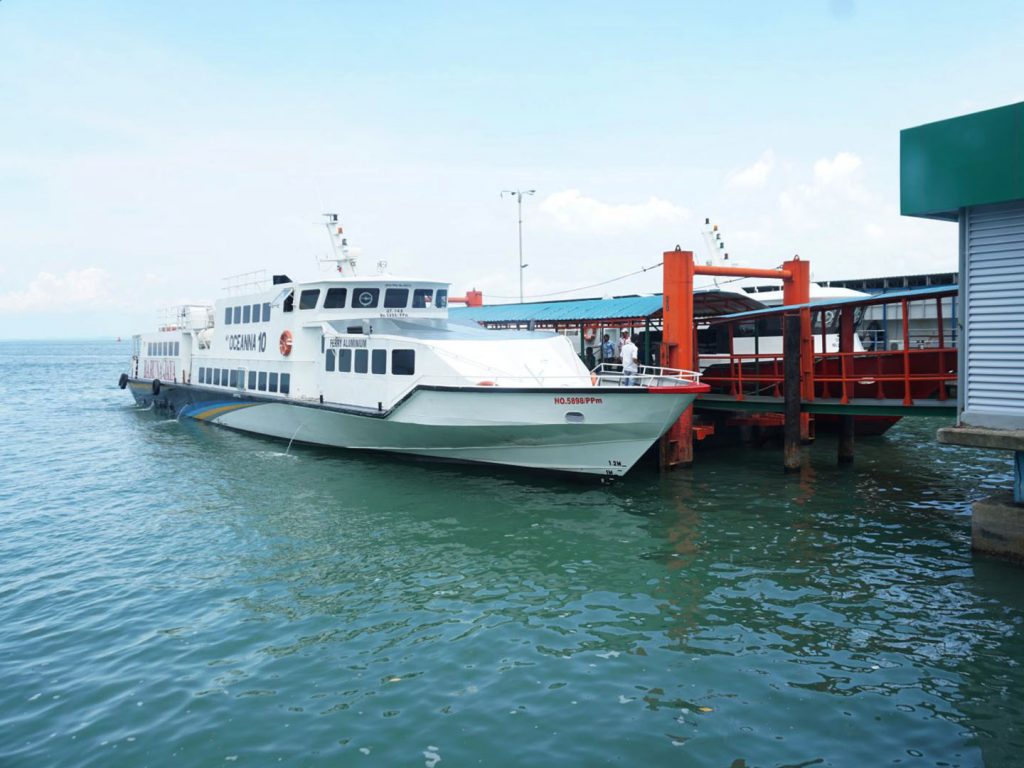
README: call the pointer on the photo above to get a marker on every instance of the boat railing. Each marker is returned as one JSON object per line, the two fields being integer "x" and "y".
{"x": 605, "y": 375}
{"x": 613, "y": 375}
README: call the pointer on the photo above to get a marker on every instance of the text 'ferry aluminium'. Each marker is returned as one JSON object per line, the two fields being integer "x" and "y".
{"x": 374, "y": 363}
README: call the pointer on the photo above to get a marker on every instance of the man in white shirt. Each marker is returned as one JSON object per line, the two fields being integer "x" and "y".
{"x": 629, "y": 360}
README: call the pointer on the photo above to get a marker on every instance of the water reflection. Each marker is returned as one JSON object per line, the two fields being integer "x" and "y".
{"x": 727, "y": 613}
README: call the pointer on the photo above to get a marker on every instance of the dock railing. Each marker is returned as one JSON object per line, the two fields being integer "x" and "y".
{"x": 906, "y": 374}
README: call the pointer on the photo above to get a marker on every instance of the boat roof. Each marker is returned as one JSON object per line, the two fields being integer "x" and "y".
{"x": 915, "y": 294}
{"x": 706, "y": 303}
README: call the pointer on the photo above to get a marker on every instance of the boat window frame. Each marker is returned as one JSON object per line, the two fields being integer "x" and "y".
{"x": 391, "y": 298}
{"x": 227, "y": 315}
{"x": 404, "y": 365}
{"x": 262, "y": 381}
{"x": 285, "y": 386}
{"x": 379, "y": 362}
{"x": 272, "y": 381}
{"x": 238, "y": 315}
{"x": 441, "y": 298}
{"x": 304, "y": 305}
{"x": 345, "y": 361}
{"x": 266, "y": 312}
{"x": 252, "y": 380}
{"x": 357, "y": 292}
{"x": 329, "y": 361}
{"x": 331, "y": 295}
{"x": 422, "y": 298}
{"x": 362, "y": 360}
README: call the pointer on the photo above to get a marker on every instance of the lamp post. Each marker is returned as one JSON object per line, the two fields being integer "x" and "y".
{"x": 518, "y": 195}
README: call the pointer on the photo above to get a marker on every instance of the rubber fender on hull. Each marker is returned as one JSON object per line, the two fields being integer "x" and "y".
{"x": 156, "y": 386}
{"x": 122, "y": 381}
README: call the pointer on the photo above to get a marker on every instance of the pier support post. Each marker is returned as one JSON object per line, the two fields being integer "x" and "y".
{"x": 846, "y": 423}
{"x": 846, "y": 431}
{"x": 792, "y": 456}
{"x": 678, "y": 349}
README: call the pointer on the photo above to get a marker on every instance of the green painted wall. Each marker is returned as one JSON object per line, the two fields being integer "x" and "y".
{"x": 971, "y": 160}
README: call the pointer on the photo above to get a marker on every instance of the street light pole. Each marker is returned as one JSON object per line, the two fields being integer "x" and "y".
{"x": 518, "y": 195}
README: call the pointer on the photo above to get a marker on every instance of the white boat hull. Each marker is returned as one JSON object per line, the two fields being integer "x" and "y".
{"x": 600, "y": 431}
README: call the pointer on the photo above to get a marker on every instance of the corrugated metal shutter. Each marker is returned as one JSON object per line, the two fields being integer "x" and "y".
{"x": 994, "y": 317}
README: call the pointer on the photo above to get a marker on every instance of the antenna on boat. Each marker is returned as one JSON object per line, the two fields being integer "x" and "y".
{"x": 343, "y": 258}
{"x": 715, "y": 245}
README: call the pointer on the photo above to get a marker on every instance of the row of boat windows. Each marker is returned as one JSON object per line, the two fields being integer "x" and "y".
{"x": 258, "y": 381}
{"x": 370, "y": 298}
{"x": 162, "y": 348}
{"x": 403, "y": 361}
{"x": 246, "y": 313}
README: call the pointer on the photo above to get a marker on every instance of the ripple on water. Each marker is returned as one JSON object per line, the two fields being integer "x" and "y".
{"x": 171, "y": 592}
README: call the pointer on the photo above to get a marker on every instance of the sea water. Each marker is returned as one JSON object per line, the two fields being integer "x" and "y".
{"x": 175, "y": 593}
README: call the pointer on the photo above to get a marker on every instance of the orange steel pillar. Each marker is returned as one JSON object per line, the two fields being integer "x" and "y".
{"x": 677, "y": 350}
{"x": 797, "y": 290}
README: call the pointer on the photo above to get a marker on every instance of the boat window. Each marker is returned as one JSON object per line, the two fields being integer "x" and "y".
{"x": 266, "y": 312}
{"x": 422, "y": 298}
{"x": 345, "y": 361}
{"x": 403, "y": 362}
{"x": 361, "y": 360}
{"x": 255, "y": 313}
{"x": 263, "y": 381}
{"x": 442, "y": 298}
{"x": 238, "y": 315}
{"x": 272, "y": 386}
{"x": 286, "y": 383}
{"x": 329, "y": 360}
{"x": 335, "y": 298}
{"x": 308, "y": 299}
{"x": 396, "y": 298}
{"x": 202, "y": 374}
{"x": 177, "y": 349}
{"x": 379, "y": 361}
{"x": 223, "y": 377}
{"x": 246, "y": 317}
{"x": 234, "y": 377}
{"x": 216, "y": 377}
{"x": 365, "y": 298}
{"x": 252, "y": 379}
{"x": 227, "y": 315}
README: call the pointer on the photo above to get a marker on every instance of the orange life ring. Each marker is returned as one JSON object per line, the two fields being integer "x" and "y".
{"x": 589, "y": 332}
{"x": 285, "y": 343}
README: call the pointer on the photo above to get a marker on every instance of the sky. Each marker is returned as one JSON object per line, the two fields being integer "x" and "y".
{"x": 149, "y": 150}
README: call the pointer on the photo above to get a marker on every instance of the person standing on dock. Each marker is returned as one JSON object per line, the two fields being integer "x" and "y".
{"x": 629, "y": 356}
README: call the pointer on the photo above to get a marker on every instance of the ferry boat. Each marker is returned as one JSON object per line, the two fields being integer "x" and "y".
{"x": 374, "y": 363}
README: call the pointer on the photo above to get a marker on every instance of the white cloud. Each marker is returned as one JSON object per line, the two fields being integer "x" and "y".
{"x": 80, "y": 289}
{"x": 575, "y": 212}
{"x": 840, "y": 169}
{"x": 754, "y": 176}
